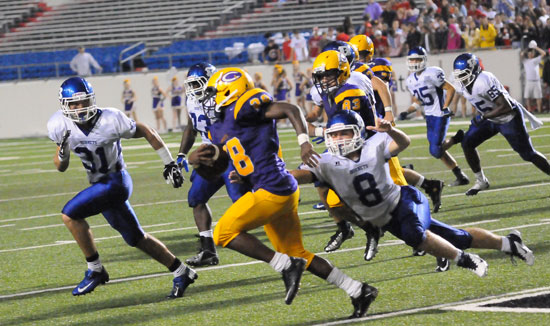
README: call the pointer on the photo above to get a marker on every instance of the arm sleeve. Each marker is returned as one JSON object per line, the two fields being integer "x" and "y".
{"x": 125, "y": 127}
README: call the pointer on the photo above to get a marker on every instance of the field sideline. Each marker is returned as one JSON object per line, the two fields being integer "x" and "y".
{"x": 41, "y": 262}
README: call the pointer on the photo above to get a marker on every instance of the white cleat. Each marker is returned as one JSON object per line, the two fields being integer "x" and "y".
{"x": 478, "y": 186}
{"x": 518, "y": 249}
{"x": 474, "y": 263}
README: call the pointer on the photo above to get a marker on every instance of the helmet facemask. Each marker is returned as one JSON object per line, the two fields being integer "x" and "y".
{"x": 79, "y": 114}
{"x": 464, "y": 76}
{"x": 344, "y": 146}
{"x": 195, "y": 87}
{"x": 326, "y": 81}
{"x": 415, "y": 65}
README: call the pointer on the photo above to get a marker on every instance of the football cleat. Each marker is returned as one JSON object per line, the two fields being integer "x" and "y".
{"x": 182, "y": 282}
{"x": 91, "y": 280}
{"x": 362, "y": 302}
{"x": 371, "y": 248}
{"x": 443, "y": 265}
{"x": 462, "y": 181}
{"x": 474, "y": 263}
{"x": 203, "y": 258}
{"x": 418, "y": 252}
{"x": 319, "y": 206}
{"x": 292, "y": 276}
{"x": 457, "y": 138}
{"x": 518, "y": 249}
{"x": 478, "y": 186}
{"x": 339, "y": 237}
{"x": 434, "y": 189}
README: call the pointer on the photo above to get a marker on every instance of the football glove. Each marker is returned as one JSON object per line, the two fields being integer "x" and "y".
{"x": 318, "y": 140}
{"x": 172, "y": 175}
{"x": 477, "y": 120}
{"x": 403, "y": 115}
{"x": 64, "y": 151}
{"x": 182, "y": 162}
{"x": 447, "y": 112}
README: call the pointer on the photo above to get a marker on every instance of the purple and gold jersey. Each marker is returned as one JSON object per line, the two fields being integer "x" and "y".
{"x": 362, "y": 68}
{"x": 350, "y": 97}
{"x": 253, "y": 143}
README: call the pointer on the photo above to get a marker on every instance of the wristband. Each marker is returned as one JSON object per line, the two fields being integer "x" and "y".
{"x": 216, "y": 153}
{"x": 182, "y": 154}
{"x": 415, "y": 105}
{"x": 388, "y": 109}
{"x": 303, "y": 138}
{"x": 319, "y": 132}
{"x": 165, "y": 155}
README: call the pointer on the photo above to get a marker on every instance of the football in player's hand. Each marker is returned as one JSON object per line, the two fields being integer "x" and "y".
{"x": 214, "y": 161}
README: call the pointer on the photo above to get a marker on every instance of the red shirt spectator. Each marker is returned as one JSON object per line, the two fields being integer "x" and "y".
{"x": 313, "y": 43}
{"x": 286, "y": 47}
{"x": 342, "y": 36}
{"x": 381, "y": 45}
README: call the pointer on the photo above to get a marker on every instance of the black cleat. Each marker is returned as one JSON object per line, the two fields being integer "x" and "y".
{"x": 182, "y": 282}
{"x": 362, "y": 302}
{"x": 474, "y": 263}
{"x": 518, "y": 249}
{"x": 443, "y": 265}
{"x": 418, "y": 252}
{"x": 203, "y": 258}
{"x": 373, "y": 238}
{"x": 434, "y": 188}
{"x": 457, "y": 138}
{"x": 462, "y": 181}
{"x": 339, "y": 237}
{"x": 292, "y": 276}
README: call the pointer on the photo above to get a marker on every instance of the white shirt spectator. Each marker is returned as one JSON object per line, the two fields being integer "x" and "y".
{"x": 531, "y": 67}
{"x": 299, "y": 44}
{"x": 81, "y": 63}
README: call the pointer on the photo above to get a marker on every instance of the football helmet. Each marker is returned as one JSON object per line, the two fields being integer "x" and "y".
{"x": 345, "y": 48}
{"x": 345, "y": 120}
{"x": 223, "y": 88}
{"x": 330, "y": 71}
{"x": 466, "y": 68}
{"x": 197, "y": 78}
{"x": 364, "y": 46}
{"x": 382, "y": 68}
{"x": 77, "y": 91}
{"x": 417, "y": 53}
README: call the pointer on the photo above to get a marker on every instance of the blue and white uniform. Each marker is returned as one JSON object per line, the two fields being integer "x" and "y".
{"x": 485, "y": 90}
{"x": 202, "y": 190}
{"x": 368, "y": 189}
{"x": 100, "y": 151}
{"x": 427, "y": 87}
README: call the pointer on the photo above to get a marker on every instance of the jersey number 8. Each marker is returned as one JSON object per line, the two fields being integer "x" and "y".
{"x": 241, "y": 161}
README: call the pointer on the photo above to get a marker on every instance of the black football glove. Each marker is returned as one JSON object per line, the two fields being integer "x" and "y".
{"x": 172, "y": 175}
{"x": 64, "y": 147}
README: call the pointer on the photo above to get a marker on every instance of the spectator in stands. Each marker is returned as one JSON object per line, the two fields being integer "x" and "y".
{"x": 258, "y": 83}
{"x": 158, "y": 96}
{"x": 272, "y": 52}
{"x": 515, "y": 34}
{"x": 487, "y": 33}
{"x": 546, "y": 84}
{"x": 324, "y": 40}
{"x": 413, "y": 36}
{"x": 347, "y": 26}
{"x": 428, "y": 38}
{"x": 545, "y": 35}
{"x": 454, "y": 39}
{"x": 381, "y": 45}
{"x": 373, "y": 10}
{"x": 388, "y": 15}
{"x": 331, "y": 35}
{"x": 506, "y": 7}
{"x": 342, "y": 35}
{"x": 81, "y": 63}
{"x": 396, "y": 39}
{"x": 287, "y": 50}
{"x": 531, "y": 64}
{"x": 298, "y": 45}
{"x": 471, "y": 35}
{"x": 313, "y": 43}
{"x": 441, "y": 35}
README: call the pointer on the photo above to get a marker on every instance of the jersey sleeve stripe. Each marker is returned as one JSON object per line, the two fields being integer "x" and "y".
{"x": 349, "y": 93}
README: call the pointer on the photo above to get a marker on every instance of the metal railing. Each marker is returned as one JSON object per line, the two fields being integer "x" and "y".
{"x": 132, "y": 56}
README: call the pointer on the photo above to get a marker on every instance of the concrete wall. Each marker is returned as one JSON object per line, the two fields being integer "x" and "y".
{"x": 26, "y": 106}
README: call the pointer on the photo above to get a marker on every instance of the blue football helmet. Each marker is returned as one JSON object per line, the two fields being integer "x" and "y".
{"x": 417, "y": 53}
{"x": 345, "y": 120}
{"x": 197, "y": 78}
{"x": 466, "y": 68}
{"x": 343, "y": 47}
{"x": 76, "y": 90}
{"x": 382, "y": 68}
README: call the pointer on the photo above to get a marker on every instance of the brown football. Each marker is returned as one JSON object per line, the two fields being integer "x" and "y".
{"x": 219, "y": 167}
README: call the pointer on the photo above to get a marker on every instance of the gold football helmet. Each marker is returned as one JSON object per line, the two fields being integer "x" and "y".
{"x": 225, "y": 87}
{"x": 330, "y": 71}
{"x": 364, "y": 46}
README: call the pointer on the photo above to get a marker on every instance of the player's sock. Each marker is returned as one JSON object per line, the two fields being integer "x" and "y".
{"x": 280, "y": 262}
{"x": 178, "y": 268}
{"x": 344, "y": 282}
{"x": 480, "y": 176}
{"x": 506, "y": 245}
{"x": 343, "y": 226}
{"x": 207, "y": 234}
{"x": 421, "y": 183}
{"x": 458, "y": 255}
{"x": 94, "y": 263}
{"x": 458, "y": 172}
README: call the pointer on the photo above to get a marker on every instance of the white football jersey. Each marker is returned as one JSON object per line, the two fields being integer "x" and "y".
{"x": 365, "y": 186}
{"x": 100, "y": 149}
{"x": 199, "y": 120}
{"x": 356, "y": 78}
{"x": 428, "y": 89}
{"x": 485, "y": 90}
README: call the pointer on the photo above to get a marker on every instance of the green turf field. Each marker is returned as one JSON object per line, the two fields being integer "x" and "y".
{"x": 40, "y": 263}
